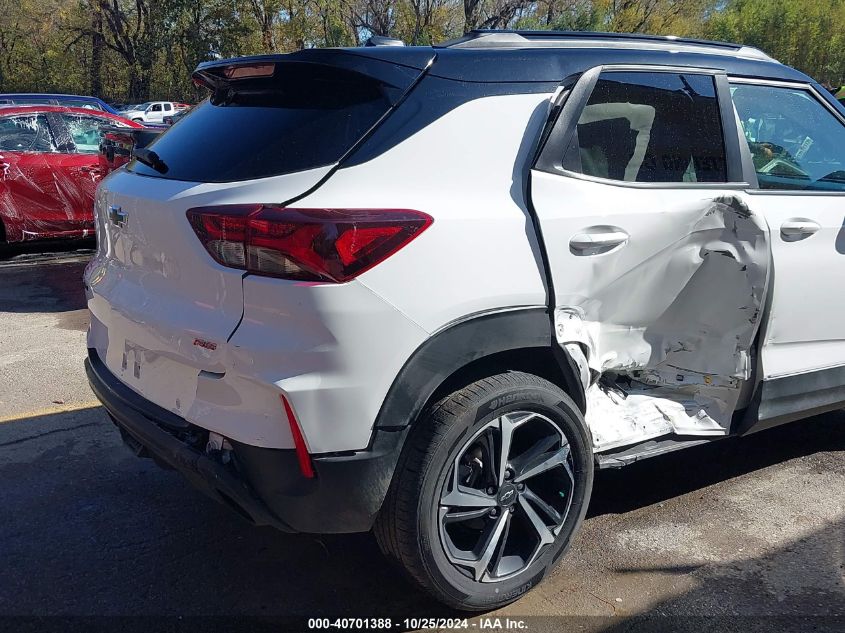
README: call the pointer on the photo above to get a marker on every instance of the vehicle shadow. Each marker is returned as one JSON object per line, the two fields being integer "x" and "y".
{"x": 660, "y": 478}
{"x": 90, "y": 529}
{"x": 804, "y": 578}
{"x": 42, "y": 285}
{"x": 24, "y": 251}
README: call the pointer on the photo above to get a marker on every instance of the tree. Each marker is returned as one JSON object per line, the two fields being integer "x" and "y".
{"x": 132, "y": 29}
{"x": 98, "y": 44}
{"x": 137, "y": 49}
{"x": 806, "y": 34}
{"x": 479, "y": 14}
{"x": 266, "y": 13}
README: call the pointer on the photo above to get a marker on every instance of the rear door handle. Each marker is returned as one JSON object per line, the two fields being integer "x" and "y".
{"x": 597, "y": 240}
{"x": 798, "y": 228}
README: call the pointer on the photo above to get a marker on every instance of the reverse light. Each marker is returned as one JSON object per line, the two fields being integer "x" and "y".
{"x": 333, "y": 245}
{"x": 302, "y": 456}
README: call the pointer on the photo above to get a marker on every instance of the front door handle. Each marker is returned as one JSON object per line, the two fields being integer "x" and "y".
{"x": 597, "y": 240}
{"x": 796, "y": 229}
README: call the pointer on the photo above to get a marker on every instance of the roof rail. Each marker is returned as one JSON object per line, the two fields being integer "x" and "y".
{"x": 501, "y": 38}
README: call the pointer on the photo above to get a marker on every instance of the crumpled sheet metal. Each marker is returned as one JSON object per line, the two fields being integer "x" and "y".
{"x": 668, "y": 342}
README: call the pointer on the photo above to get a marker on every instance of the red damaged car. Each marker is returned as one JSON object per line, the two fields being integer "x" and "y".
{"x": 50, "y": 165}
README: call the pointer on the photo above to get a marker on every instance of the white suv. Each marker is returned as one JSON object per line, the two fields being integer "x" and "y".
{"x": 429, "y": 290}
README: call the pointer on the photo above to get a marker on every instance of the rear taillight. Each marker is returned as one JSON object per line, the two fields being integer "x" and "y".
{"x": 307, "y": 244}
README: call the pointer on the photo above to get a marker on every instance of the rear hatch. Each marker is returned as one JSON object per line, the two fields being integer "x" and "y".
{"x": 273, "y": 129}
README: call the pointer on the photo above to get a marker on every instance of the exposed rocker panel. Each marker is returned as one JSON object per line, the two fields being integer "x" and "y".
{"x": 790, "y": 398}
{"x": 651, "y": 448}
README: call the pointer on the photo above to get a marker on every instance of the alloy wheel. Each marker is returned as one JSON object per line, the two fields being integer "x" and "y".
{"x": 506, "y": 497}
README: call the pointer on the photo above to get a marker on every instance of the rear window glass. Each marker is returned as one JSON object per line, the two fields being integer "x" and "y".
{"x": 303, "y": 117}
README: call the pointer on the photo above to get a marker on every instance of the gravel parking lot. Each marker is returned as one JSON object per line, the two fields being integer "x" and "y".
{"x": 752, "y": 527}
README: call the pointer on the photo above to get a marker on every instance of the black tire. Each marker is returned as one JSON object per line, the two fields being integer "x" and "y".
{"x": 408, "y": 528}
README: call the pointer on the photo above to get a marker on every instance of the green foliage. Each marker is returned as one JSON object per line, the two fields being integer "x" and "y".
{"x": 141, "y": 49}
{"x": 806, "y": 34}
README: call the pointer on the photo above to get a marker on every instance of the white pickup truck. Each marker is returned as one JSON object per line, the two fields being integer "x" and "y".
{"x": 153, "y": 111}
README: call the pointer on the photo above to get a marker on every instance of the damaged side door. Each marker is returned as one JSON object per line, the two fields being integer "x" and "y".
{"x": 659, "y": 268}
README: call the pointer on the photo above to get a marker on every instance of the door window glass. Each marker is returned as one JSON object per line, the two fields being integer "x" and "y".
{"x": 85, "y": 132}
{"x": 795, "y": 142}
{"x": 156, "y": 108}
{"x": 27, "y": 133}
{"x": 650, "y": 127}
{"x": 167, "y": 107}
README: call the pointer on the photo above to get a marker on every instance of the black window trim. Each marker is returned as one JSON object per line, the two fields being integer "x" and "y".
{"x": 748, "y": 166}
{"x": 550, "y": 156}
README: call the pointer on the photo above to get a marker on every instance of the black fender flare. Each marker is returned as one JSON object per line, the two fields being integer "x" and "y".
{"x": 457, "y": 345}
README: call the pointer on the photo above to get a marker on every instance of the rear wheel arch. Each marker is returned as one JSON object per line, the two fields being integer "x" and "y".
{"x": 473, "y": 348}
{"x": 485, "y": 345}
{"x": 543, "y": 362}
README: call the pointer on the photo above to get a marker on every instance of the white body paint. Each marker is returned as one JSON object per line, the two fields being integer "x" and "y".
{"x": 674, "y": 308}
{"x": 333, "y": 349}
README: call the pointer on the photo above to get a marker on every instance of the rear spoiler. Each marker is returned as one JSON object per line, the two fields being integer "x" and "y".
{"x": 395, "y": 67}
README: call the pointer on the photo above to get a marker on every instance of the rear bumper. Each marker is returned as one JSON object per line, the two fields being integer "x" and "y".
{"x": 262, "y": 484}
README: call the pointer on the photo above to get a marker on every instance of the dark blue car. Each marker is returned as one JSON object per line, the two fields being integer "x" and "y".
{"x": 74, "y": 101}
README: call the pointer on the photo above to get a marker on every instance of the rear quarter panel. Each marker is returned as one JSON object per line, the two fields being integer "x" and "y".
{"x": 467, "y": 170}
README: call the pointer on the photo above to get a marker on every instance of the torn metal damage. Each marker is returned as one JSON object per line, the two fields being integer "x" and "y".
{"x": 664, "y": 347}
